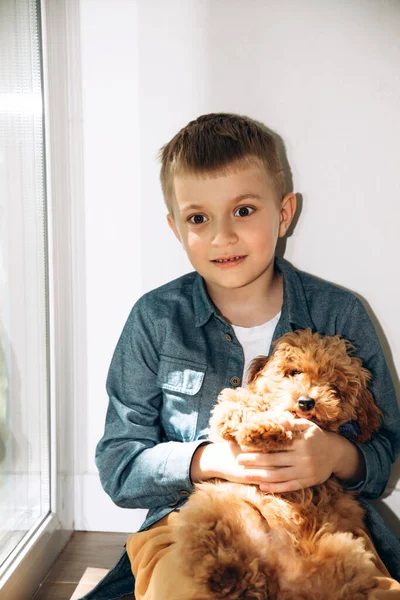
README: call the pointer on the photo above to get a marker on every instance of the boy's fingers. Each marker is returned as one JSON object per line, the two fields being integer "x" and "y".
{"x": 278, "y": 476}
{"x": 265, "y": 476}
{"x": 270, "y": 460}
{"x": 286, "y": 423}
{"x": 273, "y": 480}
{"x": 301, "y": 425}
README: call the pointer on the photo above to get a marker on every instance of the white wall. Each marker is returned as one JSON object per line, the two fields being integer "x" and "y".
{"x": 323, "y": 75}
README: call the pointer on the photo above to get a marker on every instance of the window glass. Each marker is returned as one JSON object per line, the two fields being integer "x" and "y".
{"x": 24, "y": 388}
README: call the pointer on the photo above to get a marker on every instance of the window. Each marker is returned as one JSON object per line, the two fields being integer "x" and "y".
{"x": 40, "y": 193}
{"x": 24, "y": 398}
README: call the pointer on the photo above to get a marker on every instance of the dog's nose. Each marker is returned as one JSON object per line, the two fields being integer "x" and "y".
{"x": 306, "y": 403}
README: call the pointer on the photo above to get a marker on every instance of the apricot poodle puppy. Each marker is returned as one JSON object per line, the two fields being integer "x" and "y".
{"x": 241, "y": 543}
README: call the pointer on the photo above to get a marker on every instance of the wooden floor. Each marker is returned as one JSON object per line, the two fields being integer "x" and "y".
{"x": 85, "y": 549}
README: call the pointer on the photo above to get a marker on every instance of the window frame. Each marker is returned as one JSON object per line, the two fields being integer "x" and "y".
{"x": 28, "y": 565}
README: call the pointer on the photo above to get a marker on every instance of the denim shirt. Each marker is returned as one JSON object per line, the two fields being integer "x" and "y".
{"x": 174, "y": 356}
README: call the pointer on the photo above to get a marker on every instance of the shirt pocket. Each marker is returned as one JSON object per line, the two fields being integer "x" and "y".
{"x": 181, "y": 382}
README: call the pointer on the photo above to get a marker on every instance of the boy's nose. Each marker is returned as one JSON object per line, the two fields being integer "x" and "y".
{"x": 224, "y": 234}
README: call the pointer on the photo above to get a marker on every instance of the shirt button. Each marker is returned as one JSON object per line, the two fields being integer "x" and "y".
{"x": 235, "y": 380}
{"x": 184, "y": 493}
{"x": 228, "y": 337}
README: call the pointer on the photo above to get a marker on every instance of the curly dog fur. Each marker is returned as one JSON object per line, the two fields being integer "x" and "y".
{"x": 240, "y": 543}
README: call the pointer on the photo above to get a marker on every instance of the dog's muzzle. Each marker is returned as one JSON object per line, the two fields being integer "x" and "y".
{"x": 305, "y": 403}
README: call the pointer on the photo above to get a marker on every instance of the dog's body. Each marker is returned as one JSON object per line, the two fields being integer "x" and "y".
{"x": 241, "y": 543}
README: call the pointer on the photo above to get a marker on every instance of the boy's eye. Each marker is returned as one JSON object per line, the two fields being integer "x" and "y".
{"x": 198, "y": 219}
{"x": 243, "y": 211}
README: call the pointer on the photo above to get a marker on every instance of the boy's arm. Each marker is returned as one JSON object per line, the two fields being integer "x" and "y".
{"x": 384, "y": 447}
{"x": 136, "y": 468}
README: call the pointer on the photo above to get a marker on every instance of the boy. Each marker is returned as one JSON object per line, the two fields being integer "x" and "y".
{"x": 183, "y": 343}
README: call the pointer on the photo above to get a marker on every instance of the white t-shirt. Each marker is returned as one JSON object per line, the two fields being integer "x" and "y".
{"x": 255, "y": 341}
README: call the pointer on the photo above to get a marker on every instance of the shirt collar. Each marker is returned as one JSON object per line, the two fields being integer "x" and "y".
{"x": 204, "y": 308}
{"x": 294, "y": 309}
{"x": 294, "y": 299}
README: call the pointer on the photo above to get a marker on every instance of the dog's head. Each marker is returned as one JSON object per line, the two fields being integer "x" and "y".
{"x": 317, "y": 378}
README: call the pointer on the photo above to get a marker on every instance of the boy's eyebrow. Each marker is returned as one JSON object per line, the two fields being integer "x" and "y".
{"x": 233, "y": 201}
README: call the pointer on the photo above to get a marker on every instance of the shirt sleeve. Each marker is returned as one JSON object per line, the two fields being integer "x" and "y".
{"x": 384, "y": 447}
{"x": 137, "y": 468}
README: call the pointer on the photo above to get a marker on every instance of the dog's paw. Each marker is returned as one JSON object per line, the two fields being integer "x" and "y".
{"x": 227, "y": 415}
{"x": 265, "y": 435}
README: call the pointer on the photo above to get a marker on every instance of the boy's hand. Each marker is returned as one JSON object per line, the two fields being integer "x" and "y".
{"x": 275, "y": 472}
{"x": 221, "y": 460}
{"x": 312, "y": 458}
{"x": 218, "y": 460}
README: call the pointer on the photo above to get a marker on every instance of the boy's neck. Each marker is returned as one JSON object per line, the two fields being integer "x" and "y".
{"x": 250, "y": 305}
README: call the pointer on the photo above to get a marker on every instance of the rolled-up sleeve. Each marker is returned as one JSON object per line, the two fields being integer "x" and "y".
{"x": 137, "y": 468}
{"x": 384, "y": 447}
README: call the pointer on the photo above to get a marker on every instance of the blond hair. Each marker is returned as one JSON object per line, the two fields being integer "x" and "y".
{"x": 219, "y": 142}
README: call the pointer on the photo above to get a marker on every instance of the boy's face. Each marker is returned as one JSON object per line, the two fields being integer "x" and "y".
{"x": 229, "y": 225}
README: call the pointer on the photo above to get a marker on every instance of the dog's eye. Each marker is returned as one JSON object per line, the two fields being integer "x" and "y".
{"x": 293, "y": 373}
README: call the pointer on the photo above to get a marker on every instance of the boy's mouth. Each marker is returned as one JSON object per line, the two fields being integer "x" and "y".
{"x": 227, "y": 261}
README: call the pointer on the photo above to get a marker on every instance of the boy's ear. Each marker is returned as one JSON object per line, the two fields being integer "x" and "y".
{"x": 287, "y": 212}
{"x": 172, "y": 225}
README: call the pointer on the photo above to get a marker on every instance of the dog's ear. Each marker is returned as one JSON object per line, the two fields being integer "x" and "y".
{"x": 255, "y": 368}
{"x": 368, "y": 417}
